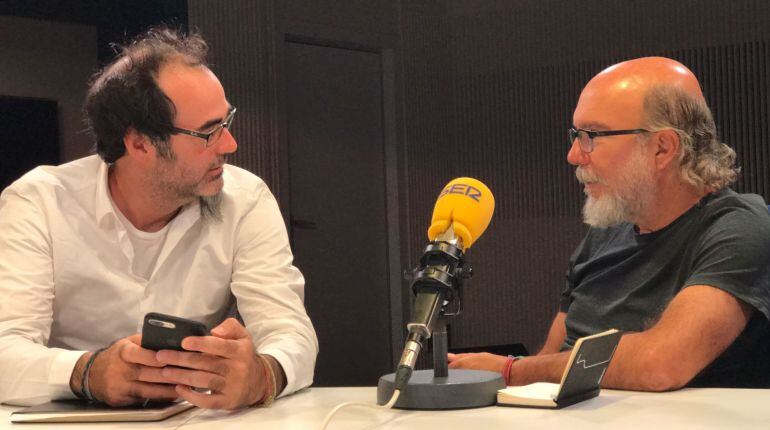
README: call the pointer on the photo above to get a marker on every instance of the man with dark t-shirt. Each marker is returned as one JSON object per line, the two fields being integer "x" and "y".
{"x": 674, "y": 258}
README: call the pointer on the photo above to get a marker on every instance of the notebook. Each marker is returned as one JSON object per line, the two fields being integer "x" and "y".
{"x": 580, "y": 381}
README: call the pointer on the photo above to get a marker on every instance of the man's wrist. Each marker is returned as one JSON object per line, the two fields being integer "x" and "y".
{"x": 268, "y": 382}
{"x": 84, "y": 380}
{"x": 506, "y": 372}
{"x": 76, "y": 378}
{"x": 273, "y": 379}
{"x": 280, "y": 375}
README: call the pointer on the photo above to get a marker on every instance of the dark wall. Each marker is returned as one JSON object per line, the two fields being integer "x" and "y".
{"x": 486, "y": 88}
{"x": 52, "y": 58}
{"x": 116, "y": 21}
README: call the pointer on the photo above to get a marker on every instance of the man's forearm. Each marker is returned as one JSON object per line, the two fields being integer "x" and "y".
{"x": 698, "y": 325}
{"x": 538, "y": 368}
{"x": 633, "y": 367}
{"x": 641, "y": 364}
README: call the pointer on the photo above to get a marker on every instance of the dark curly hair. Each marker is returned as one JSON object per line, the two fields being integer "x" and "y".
{"x": 124, "y": 94}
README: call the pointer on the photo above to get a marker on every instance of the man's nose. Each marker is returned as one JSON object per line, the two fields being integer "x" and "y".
{"x": 226, "y": 143}
{"x": 576, "y": 156}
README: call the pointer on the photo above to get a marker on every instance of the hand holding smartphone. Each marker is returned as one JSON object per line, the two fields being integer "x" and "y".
{"x": 162, "y": 331}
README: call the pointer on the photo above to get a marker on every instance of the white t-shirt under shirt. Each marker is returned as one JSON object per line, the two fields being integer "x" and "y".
{"x": 146, "y": 245}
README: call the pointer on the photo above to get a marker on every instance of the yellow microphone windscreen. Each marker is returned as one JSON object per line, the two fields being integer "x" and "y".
{"x": 467, "y": 205}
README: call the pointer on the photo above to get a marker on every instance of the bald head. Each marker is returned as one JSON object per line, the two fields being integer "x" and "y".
{"x": 620, "y": 90}
{"x": 642, "y": 74}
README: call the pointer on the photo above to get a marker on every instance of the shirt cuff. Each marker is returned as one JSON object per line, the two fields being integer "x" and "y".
{"x": 288, "y": 370}
{"x": 60, "y": 373}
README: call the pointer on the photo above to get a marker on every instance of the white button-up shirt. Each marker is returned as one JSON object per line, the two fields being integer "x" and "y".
{"x": 67, "y": 285}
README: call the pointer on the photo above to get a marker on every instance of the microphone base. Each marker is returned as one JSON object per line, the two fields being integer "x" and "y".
{"x": 461, "y": 389}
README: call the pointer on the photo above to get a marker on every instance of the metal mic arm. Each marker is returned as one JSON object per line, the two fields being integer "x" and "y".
{"x": 436, "y": 282}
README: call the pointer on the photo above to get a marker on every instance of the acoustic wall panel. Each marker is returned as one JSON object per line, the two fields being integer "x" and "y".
{"x": 241, "y": 36}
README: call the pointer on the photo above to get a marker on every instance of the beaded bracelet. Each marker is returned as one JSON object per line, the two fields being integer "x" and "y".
{"x": 86, "y": 372}
{"x": 271, "y": 389}
{"x": 507, "y": 368}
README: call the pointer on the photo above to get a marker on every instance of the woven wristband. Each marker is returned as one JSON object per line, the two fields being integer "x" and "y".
{"x": 86, "y": 373}
{"x": 271, "y": 386}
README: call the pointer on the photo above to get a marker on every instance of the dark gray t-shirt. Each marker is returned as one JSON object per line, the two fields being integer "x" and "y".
{"x": 620, "y": 279}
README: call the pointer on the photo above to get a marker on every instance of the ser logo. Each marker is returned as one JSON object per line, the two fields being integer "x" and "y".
{"x": 463, "y": 189}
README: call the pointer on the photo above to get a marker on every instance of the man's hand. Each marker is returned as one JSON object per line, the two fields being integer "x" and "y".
{"x": 477, "y": 361}
{"x": 224, "y": 363}
{"x": 541, "y": 368}
{"x": 125, "y": 374}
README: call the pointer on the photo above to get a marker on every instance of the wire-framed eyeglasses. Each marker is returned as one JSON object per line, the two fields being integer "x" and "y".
{"x": 213, "y": 136}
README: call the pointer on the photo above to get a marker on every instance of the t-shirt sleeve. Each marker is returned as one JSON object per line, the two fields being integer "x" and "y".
{"x": 733, "y": 255}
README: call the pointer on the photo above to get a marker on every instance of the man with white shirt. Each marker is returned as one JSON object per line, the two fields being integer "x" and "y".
{"x": 157, "y": 222}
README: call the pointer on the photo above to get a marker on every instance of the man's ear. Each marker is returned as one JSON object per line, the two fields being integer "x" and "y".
{"x": 666, "y": 145}
{"x": 138, "y": 146}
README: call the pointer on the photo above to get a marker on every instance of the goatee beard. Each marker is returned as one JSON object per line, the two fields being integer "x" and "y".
{"x": 211, "y": 207}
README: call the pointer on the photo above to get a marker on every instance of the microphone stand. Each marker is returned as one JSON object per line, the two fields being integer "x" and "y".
{"x": 443, "y": 388}
{"x": 440, "y": 350}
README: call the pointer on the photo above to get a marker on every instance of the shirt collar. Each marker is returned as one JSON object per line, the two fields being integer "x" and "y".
{"x": 103, "y": 206}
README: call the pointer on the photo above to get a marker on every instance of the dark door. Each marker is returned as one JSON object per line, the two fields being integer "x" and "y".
{"x": 337, "y": 187}
{"x": 30, "y": 136}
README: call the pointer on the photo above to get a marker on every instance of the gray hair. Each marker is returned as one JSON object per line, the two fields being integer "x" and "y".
{"x": 704, "y": 161}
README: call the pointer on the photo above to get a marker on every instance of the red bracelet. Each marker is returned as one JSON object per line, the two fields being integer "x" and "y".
{"x": 507, "y": 368}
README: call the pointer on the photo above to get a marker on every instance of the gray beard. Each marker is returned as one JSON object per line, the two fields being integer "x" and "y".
{"x": 626, "y": 202}
{"x": 211, "y": 207}
{"x": 607, "y": 211}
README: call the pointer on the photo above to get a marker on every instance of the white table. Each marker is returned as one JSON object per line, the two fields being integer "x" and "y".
{"x": 707, "y": 408}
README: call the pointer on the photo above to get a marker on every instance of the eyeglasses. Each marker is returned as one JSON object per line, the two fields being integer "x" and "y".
{"x": 586, "y": 137}
{"x": 212, "y": 136}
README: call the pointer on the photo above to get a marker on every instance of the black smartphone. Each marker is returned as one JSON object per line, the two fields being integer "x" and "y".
{"x": 162, "y": 331}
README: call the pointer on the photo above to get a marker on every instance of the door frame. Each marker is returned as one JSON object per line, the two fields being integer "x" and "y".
{"x": 390, "y": 169}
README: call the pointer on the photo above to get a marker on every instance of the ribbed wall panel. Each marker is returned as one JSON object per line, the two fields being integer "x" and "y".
{"x": 241, "y": 36}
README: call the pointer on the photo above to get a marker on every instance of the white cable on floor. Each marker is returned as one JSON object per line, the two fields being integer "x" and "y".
{"x": 388, "y": 405}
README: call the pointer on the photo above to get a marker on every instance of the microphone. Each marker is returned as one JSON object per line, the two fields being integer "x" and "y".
{"x": 464, "y": 208}
{"x": 462, "y": 213}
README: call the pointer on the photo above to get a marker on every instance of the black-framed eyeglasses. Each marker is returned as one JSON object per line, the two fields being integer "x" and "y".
{"x": 586, "y": 137}
{"x": 213, "y": 136}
